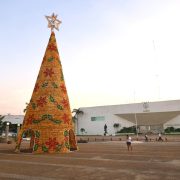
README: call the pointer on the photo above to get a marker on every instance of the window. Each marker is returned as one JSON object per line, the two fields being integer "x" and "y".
{"x": 98, "y": 118}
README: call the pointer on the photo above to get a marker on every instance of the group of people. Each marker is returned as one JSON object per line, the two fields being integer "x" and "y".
{"x": 129, "y": 140}
{"x": 157, "y": 139}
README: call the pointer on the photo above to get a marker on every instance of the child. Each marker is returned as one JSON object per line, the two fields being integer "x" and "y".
{"x": 128, "y": 142}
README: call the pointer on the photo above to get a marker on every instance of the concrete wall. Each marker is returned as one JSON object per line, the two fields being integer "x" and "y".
{"x": 97, "y": 127}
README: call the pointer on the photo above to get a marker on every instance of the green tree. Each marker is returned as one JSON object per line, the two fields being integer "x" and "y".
{"x": 77, "y": 112}
{"x": 172, "y": 129}
{"x": 169, "y": 129}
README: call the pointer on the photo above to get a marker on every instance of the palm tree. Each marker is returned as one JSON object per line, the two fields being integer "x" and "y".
{"x": 1, "y": 117}
{"x": 24, "y": 110}
{"x": 82, "y": 131}
{"x": 116, "y": 126}
{"x": 1, "y": 124}
{"x": 75, "y": 117}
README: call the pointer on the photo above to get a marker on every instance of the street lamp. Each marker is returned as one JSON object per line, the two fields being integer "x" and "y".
{"x": 18, "y": 128}
{"x": 7, "y": 131}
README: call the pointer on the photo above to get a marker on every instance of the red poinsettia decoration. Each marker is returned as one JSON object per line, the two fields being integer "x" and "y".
{"x": 65, "y": 103}
{"x": 48, "y": 72}
{"x": 36, "y": 141}
{"x": 36, "y": 87}
{"x": 65, "y": 118}
{"x": 41, "y": 101}
{"x": 66, "y": 138}
{"x": 63, "y": 88}
{"x": 52, "y": 143}
{"x": 52, "y": 47}
{"x": 30, "y": 119}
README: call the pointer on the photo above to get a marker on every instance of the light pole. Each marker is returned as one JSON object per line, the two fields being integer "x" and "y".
{"x": 18, "y": 128}
{"x": 7, "y": 131}
{"x": 136, "y": 126}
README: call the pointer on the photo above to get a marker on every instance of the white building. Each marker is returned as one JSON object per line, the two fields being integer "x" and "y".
{"x": 148, "y": 116}
{"x": 13, "y": 119}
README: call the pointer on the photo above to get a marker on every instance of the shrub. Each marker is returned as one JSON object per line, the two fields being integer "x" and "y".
{"x": 177, "y": 130}
{"x": 131, "y": 129}
{"x": 82, "y": 141}
{"x": 171, "y": 130}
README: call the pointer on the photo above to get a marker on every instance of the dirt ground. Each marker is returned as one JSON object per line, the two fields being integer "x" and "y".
{"x": 95, "y": 161}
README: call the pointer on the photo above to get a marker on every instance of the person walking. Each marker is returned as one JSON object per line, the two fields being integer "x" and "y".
{"x": 160, "y": 137}
{"x": 105, "y": 130}
{"x": 129, "y": 142}
{"x": 146, "y": 137}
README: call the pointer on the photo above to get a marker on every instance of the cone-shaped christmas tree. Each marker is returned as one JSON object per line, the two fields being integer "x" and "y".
{"x": 48, "y": 118}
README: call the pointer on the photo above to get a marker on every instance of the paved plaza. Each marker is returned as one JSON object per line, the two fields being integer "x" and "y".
{"x": 95, "y": 160}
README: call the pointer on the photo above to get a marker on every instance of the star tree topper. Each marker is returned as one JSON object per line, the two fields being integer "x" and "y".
{"x": 53, "y": 22}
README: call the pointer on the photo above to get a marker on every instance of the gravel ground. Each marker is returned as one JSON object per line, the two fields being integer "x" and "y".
{"x": 95, "y": 160}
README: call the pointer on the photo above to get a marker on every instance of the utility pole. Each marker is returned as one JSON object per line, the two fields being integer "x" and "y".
{"x": 136, "y": 126}
{"x": 7, "y": 132}
{"x": 156, "y": 71}
{"x": 135, "y": 116}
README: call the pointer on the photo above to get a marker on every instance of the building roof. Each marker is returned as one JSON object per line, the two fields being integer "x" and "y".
{"x": 147, "y": 113}
{"x": 149, "y": 118}
{"x": 13, "y": 119}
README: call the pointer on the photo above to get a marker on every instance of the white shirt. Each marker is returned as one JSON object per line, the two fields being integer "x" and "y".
{"x": 129, "y": 139}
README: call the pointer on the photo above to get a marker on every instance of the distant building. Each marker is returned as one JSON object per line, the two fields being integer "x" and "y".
{"x": 149, "y": 116}
{"x": 13, "y": 119}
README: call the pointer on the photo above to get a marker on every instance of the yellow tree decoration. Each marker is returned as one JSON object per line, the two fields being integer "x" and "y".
{"x": 48, "y": 118}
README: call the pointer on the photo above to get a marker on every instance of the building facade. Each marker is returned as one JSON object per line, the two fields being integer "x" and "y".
{"x": 147, "y": 117}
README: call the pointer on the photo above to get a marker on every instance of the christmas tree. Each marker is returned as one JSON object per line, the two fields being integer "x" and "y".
{"x": 48, "y": 118}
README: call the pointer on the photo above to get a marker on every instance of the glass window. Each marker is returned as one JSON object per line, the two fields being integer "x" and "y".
{"x": 98, "y": 118}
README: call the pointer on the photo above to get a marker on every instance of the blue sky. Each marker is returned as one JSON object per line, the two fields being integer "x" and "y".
{"x": 112, "y": 51}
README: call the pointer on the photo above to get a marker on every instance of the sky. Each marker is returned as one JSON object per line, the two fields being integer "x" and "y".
{"x": 112, "y": 51}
